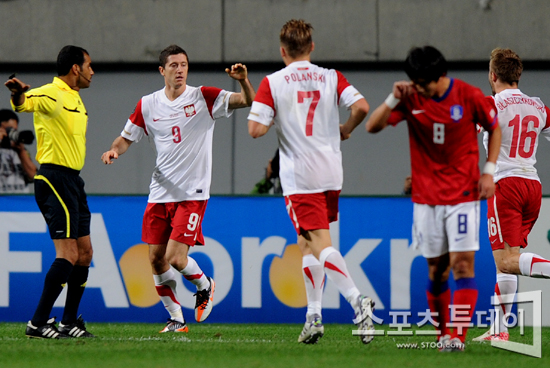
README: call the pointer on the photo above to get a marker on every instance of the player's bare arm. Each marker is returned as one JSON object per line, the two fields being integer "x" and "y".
{"x": 486, "y": 182}
{"x": 379, "y": 118}
{"x": 256, "y": 129}
{"x": 119, "y": 146}
{"x": 244, "y": 99}
{"x": 17, "y": 89}
{"x": 359, "y": 111}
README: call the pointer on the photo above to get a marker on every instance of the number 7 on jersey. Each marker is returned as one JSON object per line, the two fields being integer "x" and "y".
{"x": 315, "y": 97}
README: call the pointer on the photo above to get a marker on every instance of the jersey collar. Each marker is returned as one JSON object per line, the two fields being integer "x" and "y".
{"x": 439, "y": 99}
{"x": 62, "y": 85}
{"x": 301, "y": 63}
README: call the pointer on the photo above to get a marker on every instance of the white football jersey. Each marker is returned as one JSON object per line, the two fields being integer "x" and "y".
{"x": 302, "y": 100}
{"x": 182, "y": 132}
{"x": 522, "y": 119}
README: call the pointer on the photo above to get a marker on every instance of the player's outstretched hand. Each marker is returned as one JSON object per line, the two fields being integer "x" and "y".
{"x": 486, "y": 186}
{"x": 402, "y": 89}
{"x": 108, "y": 157}
{"x": 238, "y": 71}
{"x": 16, "y": 86}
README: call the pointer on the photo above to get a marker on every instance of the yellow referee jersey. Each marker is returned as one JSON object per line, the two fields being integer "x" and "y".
{"x": 60, "y": 123}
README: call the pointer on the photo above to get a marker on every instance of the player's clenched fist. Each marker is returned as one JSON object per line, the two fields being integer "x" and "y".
{"x": 402, "y": 89}
{"x": 237, "y": 71}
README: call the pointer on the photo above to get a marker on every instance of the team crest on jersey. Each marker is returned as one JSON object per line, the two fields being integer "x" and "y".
{"x": 189, "y": 110}
{"x": 456, "y": 112}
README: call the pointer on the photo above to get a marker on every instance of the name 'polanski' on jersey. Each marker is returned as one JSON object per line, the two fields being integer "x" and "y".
{"x": 302, "y": 77}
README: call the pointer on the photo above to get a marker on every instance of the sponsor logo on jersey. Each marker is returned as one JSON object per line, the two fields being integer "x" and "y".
{"x": 456, "y": 113}
{"x": 189, "y": 110}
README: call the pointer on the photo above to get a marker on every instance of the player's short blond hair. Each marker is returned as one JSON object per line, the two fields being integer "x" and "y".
{"x": 295, "y": 37}
{"x": 506, "y": 64}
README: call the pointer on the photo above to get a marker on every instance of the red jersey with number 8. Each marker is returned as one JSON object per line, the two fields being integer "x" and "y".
{"x": 443, "y": 142}
{"x": 302, "y": 100}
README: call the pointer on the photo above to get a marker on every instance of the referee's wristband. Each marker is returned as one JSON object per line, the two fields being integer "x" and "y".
{"x": 392, "y": 101}
{"x": 489, "y": 168}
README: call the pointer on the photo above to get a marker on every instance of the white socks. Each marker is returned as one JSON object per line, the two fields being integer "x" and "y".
{"x": 506, "y": 284}
{"x": 166, "y": 288}
{"x": 533, "y": 265}
{"x": 337, "y": 271}
{"x": 314, "y": 279}
{"x": 193, "y": 273}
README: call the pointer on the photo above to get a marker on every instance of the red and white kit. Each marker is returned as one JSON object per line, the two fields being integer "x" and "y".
{"x": 182, "y": 132}
{"x": 302, "y": 100}
{"x": 443, "y": 142}
{"x": 514, "y": 209}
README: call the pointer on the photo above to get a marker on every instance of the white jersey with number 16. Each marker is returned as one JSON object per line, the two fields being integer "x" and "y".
{"x": 302, "y": 100}
{"x": 522, "y": 119}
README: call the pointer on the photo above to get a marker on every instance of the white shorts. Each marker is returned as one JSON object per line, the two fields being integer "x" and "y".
{"x": 442, "y": 229}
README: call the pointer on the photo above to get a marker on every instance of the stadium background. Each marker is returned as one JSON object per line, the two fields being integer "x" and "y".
{"x": 365, "y": 39}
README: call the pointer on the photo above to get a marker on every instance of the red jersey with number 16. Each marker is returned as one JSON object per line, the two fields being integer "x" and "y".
{"x": 443, "y": 142}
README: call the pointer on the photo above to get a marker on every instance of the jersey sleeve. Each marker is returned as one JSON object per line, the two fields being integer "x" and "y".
{"x": 263, "y": 107}
{"x": 39, "y": 100}
{"x": 491, "y": 101}
{"x": 135, "y": 126}
{"x": 347, "y": 94}
{"x": 217, "y": 102}
{"x": 485, "y": 113}
{"x": 398, "y": 114}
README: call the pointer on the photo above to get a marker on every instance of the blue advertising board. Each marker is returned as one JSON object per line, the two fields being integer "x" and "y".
{"x": 250, "y": 251}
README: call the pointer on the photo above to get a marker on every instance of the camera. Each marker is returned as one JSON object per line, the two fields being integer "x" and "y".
{"x": 24, "y": 136}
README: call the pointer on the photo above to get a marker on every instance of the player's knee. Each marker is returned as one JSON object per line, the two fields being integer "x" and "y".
{"x": 505, "y": 264}
{"x": 156, "y": 259}
{"x": 85, "y": 256}
{"x": 463, "y": 268}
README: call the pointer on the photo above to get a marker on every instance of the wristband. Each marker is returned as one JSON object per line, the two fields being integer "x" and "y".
{"x": 392, "y": 101}
{"x": 489, "y": 168}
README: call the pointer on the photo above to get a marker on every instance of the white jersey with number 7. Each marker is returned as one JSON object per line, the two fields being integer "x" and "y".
{"x": 302, "y": 100}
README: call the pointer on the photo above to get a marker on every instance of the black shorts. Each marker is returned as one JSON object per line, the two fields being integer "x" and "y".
{"x": 59, "y": 193}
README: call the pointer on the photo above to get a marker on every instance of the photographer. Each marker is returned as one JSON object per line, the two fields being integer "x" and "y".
{"x": 16, "y": 166}
{"x": 270, "y": 183}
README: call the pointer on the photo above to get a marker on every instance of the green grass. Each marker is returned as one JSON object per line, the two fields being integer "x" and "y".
{"x": 245, "y": 345}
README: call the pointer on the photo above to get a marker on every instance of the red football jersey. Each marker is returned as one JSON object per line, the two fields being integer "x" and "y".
{"x": 443, "y": 142}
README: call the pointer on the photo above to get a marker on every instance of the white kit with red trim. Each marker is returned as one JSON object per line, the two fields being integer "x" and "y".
{"x": 527, "y": 117}
{"x": 182, "y": 132}
{"x": 302, "y": 100}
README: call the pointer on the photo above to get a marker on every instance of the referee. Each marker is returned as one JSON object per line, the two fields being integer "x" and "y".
{"x": 60, "y": 122}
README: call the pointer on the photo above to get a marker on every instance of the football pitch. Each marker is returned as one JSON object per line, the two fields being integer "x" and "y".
{"x": 249, "y": 345}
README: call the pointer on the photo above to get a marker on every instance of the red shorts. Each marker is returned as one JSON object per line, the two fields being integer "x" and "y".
{"x": 312, "y": 211}
{"x": 513, "y": 211}
{"x": 179, "y": 221}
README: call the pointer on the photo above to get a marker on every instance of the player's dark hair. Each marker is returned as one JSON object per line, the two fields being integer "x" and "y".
{"x": 69, "y": 56}
{"x": 425, "y": 63}
{"x": 6, "y": 115}
{"x": 506, "y": 64}
{"x": 171, "y": 50}
{"x": 295, "y": 37}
